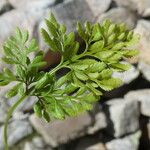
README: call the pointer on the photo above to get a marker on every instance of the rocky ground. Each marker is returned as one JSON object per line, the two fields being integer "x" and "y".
{"x": 121, "y": 120}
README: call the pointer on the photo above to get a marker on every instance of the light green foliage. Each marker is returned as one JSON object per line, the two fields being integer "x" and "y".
{"x": 89, "y": 70}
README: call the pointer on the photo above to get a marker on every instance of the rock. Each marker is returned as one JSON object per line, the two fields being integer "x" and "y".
{"x": 127, "y": 3}
{"x": 98, "y": 7}
{"x": 3, "y": 111}
{"x": 143, "y": 45}
{"x": 145, "y": 69}
{"x": 69, "y": 13}
{"x": 32, "y": 4}
{"x": 99, "y": 146}
{"x": 23, "y": 19}
{"x": 99, "y": 124}
{"x": 142, "y": 7}
{"x": 142, "y": 96}
{"x": 119, "y": 15}
{"x": 90, "y": 142}
{"x": 122, "y": 117}
{"x": 36, "y": 143}
{"x": 130, "y": 142}
{"x": 17, "y": 130}
{"x": 3, "y": 5}
{"x": 127, "y": 76}
{"x": 26, "y": 105}
{"x": 148, "y": 130}
{"x": 60, "y": 132}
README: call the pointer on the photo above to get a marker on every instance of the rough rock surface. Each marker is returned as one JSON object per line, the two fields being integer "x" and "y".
{"x": 122, "y": 117}
{"x": 98, "y": 7}
{"x": 145, "y": 69}
{"x": 127, "y": 3}
{"x": 99, "y": 124}
{"x": 32, "y": 4}
{"x": 3, "y": 4}
{"x": 127, "y": 76}
{"x": 130, "y": 142}
{"x": 119, "y": 15}
{"x": 58, "y": 132}
{"x": 99, "y": 146}
{"x": 23, "y": 19}
{"x": 142, "y": 6}
{"x": 36, "y": 143}
{"x": 17, "y": 130}
{"x": 143, "y": 45}
{"x": 143, "y": 96}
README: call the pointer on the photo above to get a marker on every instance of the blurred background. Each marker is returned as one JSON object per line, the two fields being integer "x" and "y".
{"x": 121, "y": 119}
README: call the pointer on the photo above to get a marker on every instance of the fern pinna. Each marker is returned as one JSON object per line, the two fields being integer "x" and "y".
{"x": 89, "y": 70}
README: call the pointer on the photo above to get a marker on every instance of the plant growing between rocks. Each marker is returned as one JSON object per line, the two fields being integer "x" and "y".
{"x": 89, "y": 71}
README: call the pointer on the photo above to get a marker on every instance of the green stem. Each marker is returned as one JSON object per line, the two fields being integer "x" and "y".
{"x": 11, "y": 110}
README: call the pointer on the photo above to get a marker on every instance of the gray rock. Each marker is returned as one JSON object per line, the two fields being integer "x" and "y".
{"x": 99, "y": 124}
{"x": 99, "y": 146}
{"x": 36, "y": 143}
{"x": 143, "y": 45}
{"x": 3, "y": 111}
{"x": 127, "y": 3}
{"x": 90, "y": 142}
{"x": 143, "y": 7}
{"x": 145, "y": 69}
{"x": 98, "y": 7}
{"x": 127, "y": 76}
{"x": 148, "y": 130}
{"x": 69, "y": 13}
{"x": 122, "y": 117}
{"x": 32, "y": 4}
{"x": 23, "y": 19}
{"x": 119, "y": 15}
{"x": 130, "y": 142}
{"x": 58, "y": 132}
{"x": 3, "y": 4}
{"x": 17, "y": 130}
{"x": 26, "y": 105}
{"x": 142, "y": 96}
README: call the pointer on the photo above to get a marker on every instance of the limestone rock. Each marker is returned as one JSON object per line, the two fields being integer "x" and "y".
{"x": 119, "y": 15}
{"x": 3, "y": 111}
{"x": 130, "y": 142}
{"x": 23, "y": 19}
{"x": 127, "y": 76}
{"x": 17, "y": 130}
{"x": 145, "y": 69}
{"x": 3, "y": 4}
{"x": 90, "y": 143}
{"x": 36, "y": 143}
{"x": 32, "y": 4}
{"x": 142, "y": 96}
{"x": 69, "y": 13}
{"x": 58, "y": 132}
{"x": 98, "y": 7}
{"x": 99, "y": 124}
{"x": 141, "y": 6}
{"x": 143, "y": 45}
{"x": 122, "y": 117}
{"x": 127, "y": 3}
{"x": 99, "y": 146}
